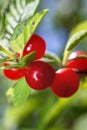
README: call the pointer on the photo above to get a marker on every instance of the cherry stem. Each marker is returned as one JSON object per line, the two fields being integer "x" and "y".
{"x": 9, "y": 54}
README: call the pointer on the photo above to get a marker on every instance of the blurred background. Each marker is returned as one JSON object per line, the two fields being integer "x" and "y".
{"x": 52, "y": 113}
{"x": 63, "y": 15}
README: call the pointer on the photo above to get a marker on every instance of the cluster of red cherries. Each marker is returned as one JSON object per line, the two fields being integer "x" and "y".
{"x": 40, "y": 75}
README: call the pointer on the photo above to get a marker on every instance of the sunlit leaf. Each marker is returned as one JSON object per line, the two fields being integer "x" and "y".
{"x": 84, "y": 80}
{"x": 1, "y": 61}
{"x": 79, "y": 27}
{"x": 52, "y": 59}
{"x": 28, "y": 59}
{"x": 13, "y": 13}
{"x": 17, "y": 11}
{"x": 73, "y": 41}
{"x": 19, "y": 92}
{"x": 1, "y": 25}
{"x": 24, "y": 30}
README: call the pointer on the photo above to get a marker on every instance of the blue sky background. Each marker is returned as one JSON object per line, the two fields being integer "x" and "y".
{"x": 56, "y": 37}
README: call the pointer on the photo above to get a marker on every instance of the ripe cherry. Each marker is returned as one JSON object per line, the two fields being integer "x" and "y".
{"x": 76, "y": 54}
{"x": 66, "y": 83}
{"x": 40, "y": 75}
{"x": 77, "y": 61}
{"x": 36, "y": 43}
{"x": 14, "y": 73}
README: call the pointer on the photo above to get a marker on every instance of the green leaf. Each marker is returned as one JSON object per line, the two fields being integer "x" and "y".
{"x": 13, "y": 13}
{"x": 1, "y": 25}
{"x": 28, "y": 59}
{"x": 52, "y": 59}
{"x": 79, "y": 27}
{"x": 25, "y": 61}
{"x": 2, "y": 60}
{"x": 24, "y": 30}
{"x": 73, "y": 41}
{"x": 6, "y": 52}
{"x": 20, "y": 22}
{"x": 17, "y": 11}
{"x": 19, "y": 92}
{"x": 83, "y": 83}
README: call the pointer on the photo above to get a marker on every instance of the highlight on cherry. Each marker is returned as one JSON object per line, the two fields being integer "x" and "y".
{"x": 37, "y": 44}
{"x": 78, "y": 60}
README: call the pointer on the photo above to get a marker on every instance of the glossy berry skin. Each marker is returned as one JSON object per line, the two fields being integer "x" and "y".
{"x": 37, "y": 44}
{"x": 77, "y": 62}
{"x": 40, "y": 75}
{"x": 66, "y": 83}
{"x": 76, "y": 54}
{"x": 14, "y": 74}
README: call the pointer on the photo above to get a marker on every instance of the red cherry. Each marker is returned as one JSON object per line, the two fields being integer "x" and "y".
{"x": 76, "y": 62}
{"x": 66, "y": 83}
{"x": 76, "y": 54}
{"x": 14, "y": 74}
{"x": 36, "y": 43}
{"x": 40, "y": 75}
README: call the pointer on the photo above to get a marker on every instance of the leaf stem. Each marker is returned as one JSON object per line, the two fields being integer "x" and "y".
{"x": 9, "y": 54}
{"x": 65, "y": 55}
{"x": 52, "y": 56}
